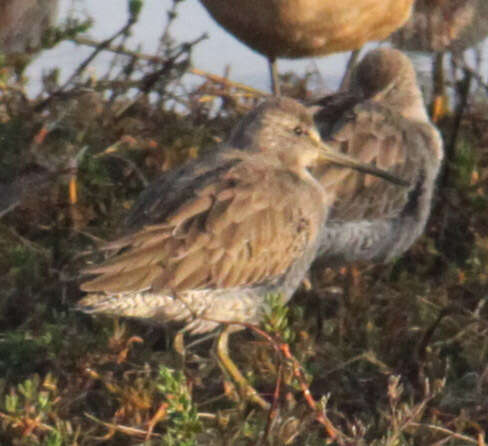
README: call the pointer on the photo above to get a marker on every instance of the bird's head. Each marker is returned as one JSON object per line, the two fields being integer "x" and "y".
{"x": 284, "y": 128}
{"x": 387, "y": 75}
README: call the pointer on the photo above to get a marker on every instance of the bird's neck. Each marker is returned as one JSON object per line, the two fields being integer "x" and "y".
{"x": 416, "y": 111}
{"x": 409, "y": 102}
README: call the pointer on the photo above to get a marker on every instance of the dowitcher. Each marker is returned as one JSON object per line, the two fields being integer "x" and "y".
{"x": 207, "y": 242}
{"x": 444, "y": 25}
{"x": 381, "y": 120}
{"x": 23, "y": 22}
{"x": 304, "y": 28}
{"x": 440, "y": 26}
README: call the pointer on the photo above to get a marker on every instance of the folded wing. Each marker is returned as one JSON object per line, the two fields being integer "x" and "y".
{"x": 223, "y": 235}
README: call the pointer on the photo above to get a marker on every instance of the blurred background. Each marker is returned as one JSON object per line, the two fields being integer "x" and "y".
{"x": 215, "y": 55}
{"x": 221, "y": 51}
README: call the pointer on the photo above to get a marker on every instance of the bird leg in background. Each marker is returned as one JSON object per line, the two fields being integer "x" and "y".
{"x": 462, "y": 92}
{"x": 350, "y": 277}
{"x": 351, "y": 64}
{"x": 445, "y": 180}
{"x": 73, "y": 199}
{"x": 352, "y": 284}
{"x": 246, "y": 390}
{"x": 275, "y": 77}
{"x": 75, "y": 211}
{"x": 440, "y": 101}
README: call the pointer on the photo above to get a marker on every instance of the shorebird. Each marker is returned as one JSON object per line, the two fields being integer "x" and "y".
{"x": 381, "y": 120}
{"x": 440, "y": 26}
{"x": 304, "y": 28}
{"x": 208, "y": 241}
{"x": 23, "y": 23}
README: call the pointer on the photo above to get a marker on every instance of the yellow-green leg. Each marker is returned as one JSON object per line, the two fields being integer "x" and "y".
{"x": 351, "y": 64}
{"x": 440, "y": 101}
{"x": 247, "y": 391}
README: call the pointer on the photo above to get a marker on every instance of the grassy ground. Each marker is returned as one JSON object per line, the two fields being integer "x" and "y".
{"x": 398, "y": 358}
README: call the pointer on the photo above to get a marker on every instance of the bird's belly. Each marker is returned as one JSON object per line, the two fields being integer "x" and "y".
{"x": 300, "y": 28}
{"x": 200, "y": 310}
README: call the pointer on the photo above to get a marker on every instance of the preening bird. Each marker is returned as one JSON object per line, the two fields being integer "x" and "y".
{"x": 381, "y": 120}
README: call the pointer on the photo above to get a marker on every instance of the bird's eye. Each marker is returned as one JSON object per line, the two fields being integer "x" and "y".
{"x": 298, "y": 130}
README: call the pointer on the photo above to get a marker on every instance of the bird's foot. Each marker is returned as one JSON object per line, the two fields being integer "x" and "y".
{"x": 247, "y": 391}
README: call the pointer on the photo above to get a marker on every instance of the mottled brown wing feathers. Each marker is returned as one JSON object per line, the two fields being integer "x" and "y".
{"x": 224, "y": 236}
{"x": 371, "y": 134}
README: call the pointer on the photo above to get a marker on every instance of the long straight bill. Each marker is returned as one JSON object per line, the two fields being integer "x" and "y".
{"x": 340, "y": 159}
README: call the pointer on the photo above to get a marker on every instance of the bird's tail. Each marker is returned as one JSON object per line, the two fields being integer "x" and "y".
{"x": 141, "y": 305}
